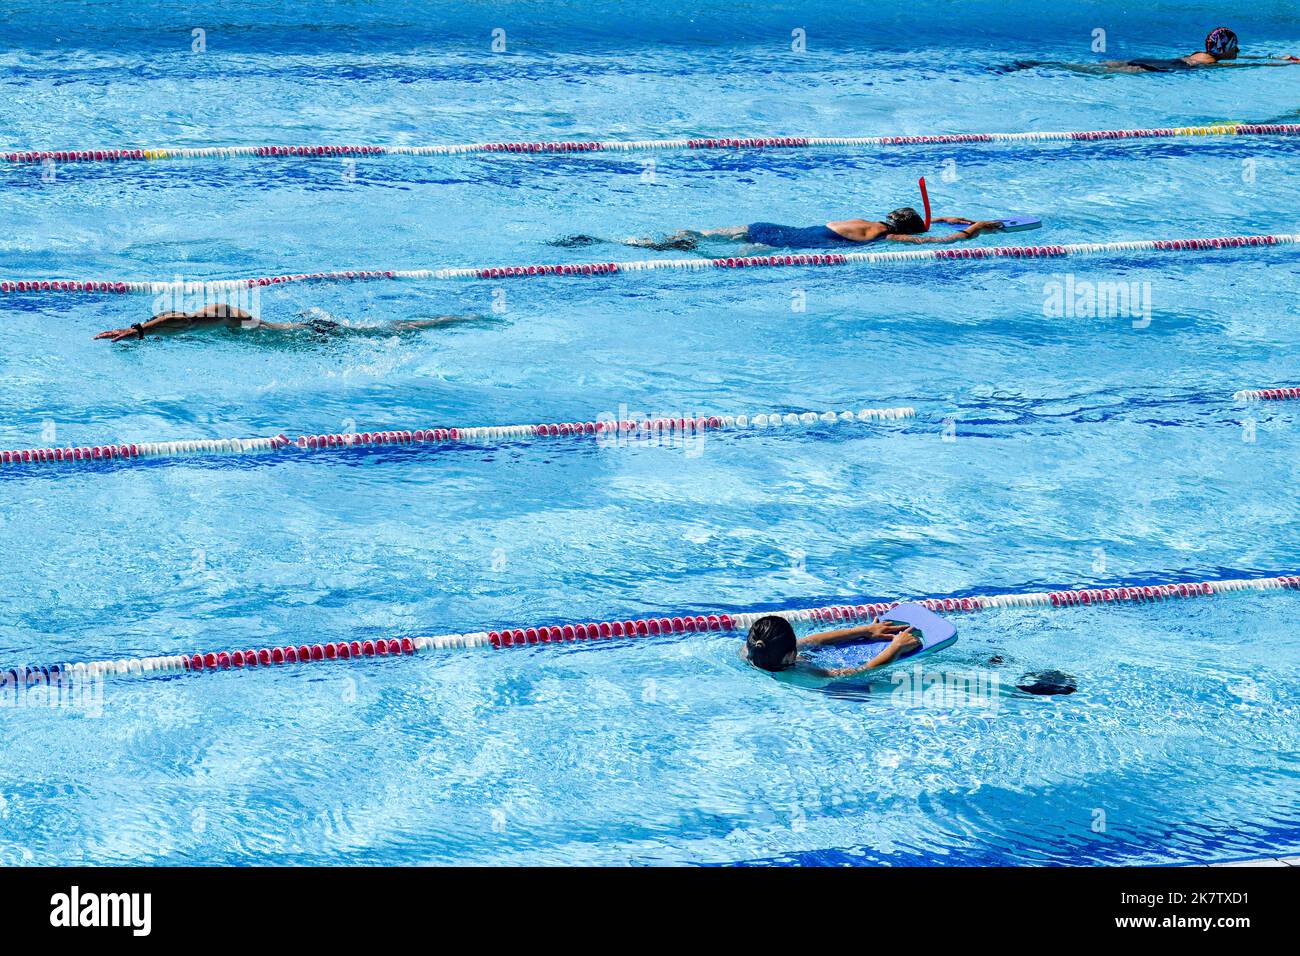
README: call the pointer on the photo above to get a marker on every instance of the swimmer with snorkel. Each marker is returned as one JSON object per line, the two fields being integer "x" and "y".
{"x": 317, "y": 324}
{"x": 901, "y": 225}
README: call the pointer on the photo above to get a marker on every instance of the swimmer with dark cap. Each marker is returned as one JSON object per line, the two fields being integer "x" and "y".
{"x": 901, "y": 225}
{"x": 222, "y": 316}
{"x": 1221, "y": 49}
{"x": 772, "y": 646}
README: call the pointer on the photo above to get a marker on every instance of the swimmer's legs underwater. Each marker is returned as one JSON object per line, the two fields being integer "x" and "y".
{"x": 687, "y": 239}
{"x": 683, "y": 239}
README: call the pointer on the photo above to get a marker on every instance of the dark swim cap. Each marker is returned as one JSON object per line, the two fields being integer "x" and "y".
{"x": 324, "y": 326}
{"x": 1221, "y": 42}
{"x": 770, "y": 640}
{"x": 906, "y": 220}
{"x": 1048, "y": 683}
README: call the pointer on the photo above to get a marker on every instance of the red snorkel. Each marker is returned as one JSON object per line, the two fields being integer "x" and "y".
{"x": 925, "y": 198}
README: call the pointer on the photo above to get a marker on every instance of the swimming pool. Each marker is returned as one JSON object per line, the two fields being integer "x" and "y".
{"x": 1048, "y": 451}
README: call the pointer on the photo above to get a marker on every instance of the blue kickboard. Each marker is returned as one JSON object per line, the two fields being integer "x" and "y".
{"x": 936, "y": 632}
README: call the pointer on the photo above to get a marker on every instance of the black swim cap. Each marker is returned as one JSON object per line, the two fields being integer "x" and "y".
{"x": 770, "y": 640}
{"x": 323, "y": 326}
{"x": 906, "y": 220}
{"x": 1048, "y": 683}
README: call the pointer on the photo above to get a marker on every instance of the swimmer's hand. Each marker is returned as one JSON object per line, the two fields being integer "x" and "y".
{"x": 117, "y": 335}
{"x": 888, "y": 630}
{"x": 906, "y": 641}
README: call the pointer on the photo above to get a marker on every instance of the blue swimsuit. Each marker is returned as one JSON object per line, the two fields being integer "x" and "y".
{"x": 797, "y": 237}
{"x": 844, "y": 655}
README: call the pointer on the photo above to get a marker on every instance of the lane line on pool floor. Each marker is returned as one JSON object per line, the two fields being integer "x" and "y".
{"x": 538, "y": 147}
{"x": 574, "y": 269}
{"x": 601, "y": 429}
{"x": 56, "y": 674}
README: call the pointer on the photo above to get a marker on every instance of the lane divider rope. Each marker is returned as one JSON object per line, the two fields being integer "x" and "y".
{"x": 534, "y": 147}
{"x": 28, "y": 676}
{"x": 1286, "y": 393}
{"x": 604, "y": 428}
{"x": 124, "y": 287}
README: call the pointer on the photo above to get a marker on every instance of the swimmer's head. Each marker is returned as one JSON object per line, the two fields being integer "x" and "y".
{"x": 906, "y": 220}
{"x": 1221, "y": 44}
{"x": 771, "y": 644}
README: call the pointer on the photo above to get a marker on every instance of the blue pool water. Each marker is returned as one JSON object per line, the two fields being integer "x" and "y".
{"x": 1086, "y": 450}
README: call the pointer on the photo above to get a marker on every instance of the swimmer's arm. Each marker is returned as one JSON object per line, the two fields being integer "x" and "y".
{"x": 881, "y": 631}
{"x": 173, "y": 323}
{"x": 1278, "y": 61}
{"x": 901, "y": 644}
{"x": 970, "y": 232}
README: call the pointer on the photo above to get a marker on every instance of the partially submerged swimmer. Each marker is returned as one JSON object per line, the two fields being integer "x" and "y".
{"x": 901, "y": 225}
{"x": 1221, "y": 49}
{"x": 1220, "y": 46}
{"x": 222, "y": 316}
{"x": 772, "y": 646}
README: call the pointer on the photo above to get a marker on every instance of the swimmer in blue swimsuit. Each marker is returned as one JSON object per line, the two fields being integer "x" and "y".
{"x": 222, "y": 316}
{"x": 901, "y": 225}
{"x": 771, "y": 645}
